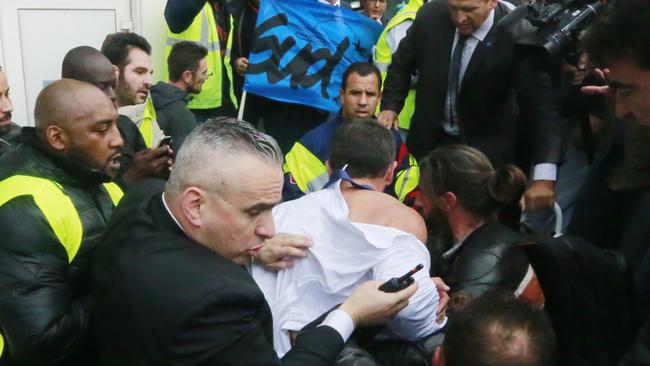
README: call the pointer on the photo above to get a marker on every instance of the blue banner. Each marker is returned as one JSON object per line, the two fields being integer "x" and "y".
{"x": 302, "y": 48}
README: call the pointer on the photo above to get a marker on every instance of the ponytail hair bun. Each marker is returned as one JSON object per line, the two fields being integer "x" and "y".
{"x": 507, "y": 184}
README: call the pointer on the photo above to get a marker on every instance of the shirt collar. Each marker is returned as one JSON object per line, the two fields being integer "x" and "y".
{"x": 162, "y": 197}
{"x": 484, "y": 29}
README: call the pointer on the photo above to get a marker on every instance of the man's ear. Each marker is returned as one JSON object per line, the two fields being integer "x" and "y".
{"x": 389, "y": 176}
{"x": 438, "y": 357}
{"x": 57, "y": 138}
{"x": 116, "y": 70}
{"x": 329, "y": 167}
{"x": 341, "y": 92}
{"x": 191, "y": 201}
{"x": 449, "y": 201}
{"x": 187, "y": 77}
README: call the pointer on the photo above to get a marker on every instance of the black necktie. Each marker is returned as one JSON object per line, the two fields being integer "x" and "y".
{"x": 454, "y": 77}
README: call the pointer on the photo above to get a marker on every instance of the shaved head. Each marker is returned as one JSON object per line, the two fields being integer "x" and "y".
{"x": 65, "y": 101}
{"x": 76, "y": 119}
{"x": 88, "y": 64}
{"x": 83, "y": 62}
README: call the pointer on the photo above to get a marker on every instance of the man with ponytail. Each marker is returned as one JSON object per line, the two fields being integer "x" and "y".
{"x": 461, "y": 194}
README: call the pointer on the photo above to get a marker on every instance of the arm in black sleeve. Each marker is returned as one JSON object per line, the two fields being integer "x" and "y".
{"x": 226, "y": 331}
{"x": 402, "y": 67}
{"x": 179, "y": 14}
{"x": 539, "y": 109}
{"x": 42, "y": 321}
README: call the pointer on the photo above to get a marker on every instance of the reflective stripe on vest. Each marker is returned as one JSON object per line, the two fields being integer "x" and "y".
{"x": 146, "y": 125}
{"x": 56, "y": 206}
{"x": 407, "y": 180}
{"x": 114, "y": 191}
{"x": 383, "y": 58}
{"x": 203, "y": 31}
{"x": 306, "y": 169}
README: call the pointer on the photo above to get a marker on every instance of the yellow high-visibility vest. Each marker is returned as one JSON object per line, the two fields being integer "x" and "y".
{"x": 383, "y": 58}
{"x": 146, "y": 125}
{"x": 203, "y": 31}
{"x": 56, "y": 206}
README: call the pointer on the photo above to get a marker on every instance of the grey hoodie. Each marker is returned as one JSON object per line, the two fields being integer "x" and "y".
{"x": 172, "y": 114}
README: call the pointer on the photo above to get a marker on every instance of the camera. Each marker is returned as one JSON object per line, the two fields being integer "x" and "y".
{"x": 559, "y": 24}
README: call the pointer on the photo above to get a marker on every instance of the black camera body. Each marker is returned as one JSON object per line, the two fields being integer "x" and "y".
{"x": 559, "y": 24}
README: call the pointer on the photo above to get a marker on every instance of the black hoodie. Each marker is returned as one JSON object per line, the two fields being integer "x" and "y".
{"x": 172, "y": 114}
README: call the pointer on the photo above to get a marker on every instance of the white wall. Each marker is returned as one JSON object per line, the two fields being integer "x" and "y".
{"x": 32, "y": 58}
{"x": 149, "y": 21}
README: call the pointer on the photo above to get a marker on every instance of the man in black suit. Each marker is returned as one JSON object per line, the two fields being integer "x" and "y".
{"x": 480, "y": 93}
{"x": 171, "y": 281}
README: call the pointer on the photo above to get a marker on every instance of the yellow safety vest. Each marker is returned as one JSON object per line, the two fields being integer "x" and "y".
{"x": 203, "y": 31}
{"x": 56, "y": 206}
{"x": 146, "y": 125}
{"x": 306, "y": 169}
{"x": 383, "y": 58}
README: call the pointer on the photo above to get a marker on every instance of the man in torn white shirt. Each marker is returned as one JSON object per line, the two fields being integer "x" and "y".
{"x": 358, "y": 233}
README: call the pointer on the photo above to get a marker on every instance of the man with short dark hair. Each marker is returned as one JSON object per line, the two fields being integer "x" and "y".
{"x": 137, "y": 162}
{"x": 131, "y": 55}
{"x": 188, "y": 71}
{"x": 210, "y": 23}
{"x": 170, "y": 282}
{"x": 498, "y": 329}
{"x": 54, "y": 206}
{"x": 305, "y": 170}
{"x": 359, "y": 234}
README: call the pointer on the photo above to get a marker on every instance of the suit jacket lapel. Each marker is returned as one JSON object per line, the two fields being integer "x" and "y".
{"x": 480, "y": 52}
{"x": 483, "y": 47}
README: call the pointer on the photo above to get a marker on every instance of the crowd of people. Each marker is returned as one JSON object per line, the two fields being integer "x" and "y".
{"x": 146, "y": 224}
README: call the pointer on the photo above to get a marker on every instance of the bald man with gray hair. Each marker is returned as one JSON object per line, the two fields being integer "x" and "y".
{"x": 55, "y": 203}
{"x": 179, "y": 254}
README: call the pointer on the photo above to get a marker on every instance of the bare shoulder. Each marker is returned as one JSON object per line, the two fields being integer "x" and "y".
{"x": 381, "y": 209}
{"x": 408, "y": 220}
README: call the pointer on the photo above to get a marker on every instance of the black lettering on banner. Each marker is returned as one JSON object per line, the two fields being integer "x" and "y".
{"x": 300, "y": 64}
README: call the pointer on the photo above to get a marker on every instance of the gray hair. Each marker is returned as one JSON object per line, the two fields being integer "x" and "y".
{"x": 213, "y": 144}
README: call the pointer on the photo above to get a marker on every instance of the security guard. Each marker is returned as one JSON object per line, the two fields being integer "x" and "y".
{"x": 387, "y": 44}
{"x": 305, "y": 169}
{"x": 209, "y": 23}
{"x": 55, "y": 203}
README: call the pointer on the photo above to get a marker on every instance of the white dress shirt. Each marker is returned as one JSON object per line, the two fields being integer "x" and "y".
{"x": 544, "y": 171}
{"x": 344, "y": 255}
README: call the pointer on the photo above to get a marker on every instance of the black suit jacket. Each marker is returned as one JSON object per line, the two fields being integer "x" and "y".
{"x": 162, "y": 299}
{"x": 496, "y": 87}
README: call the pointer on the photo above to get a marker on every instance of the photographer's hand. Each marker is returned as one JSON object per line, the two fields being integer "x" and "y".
{"x": 603, "y": 75}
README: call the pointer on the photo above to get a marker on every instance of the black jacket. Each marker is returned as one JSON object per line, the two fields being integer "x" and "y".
{"x": 490, "y": 258}
{"x": 9, "y": 138}
{"x": 163, "y": 299}
{"x": 504, "y": 103}
{"x": 44, "y": 300}
{"x": 133, "y": 141}
{"x": 172, "y": 114}
{"x": 244, "y": 16}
